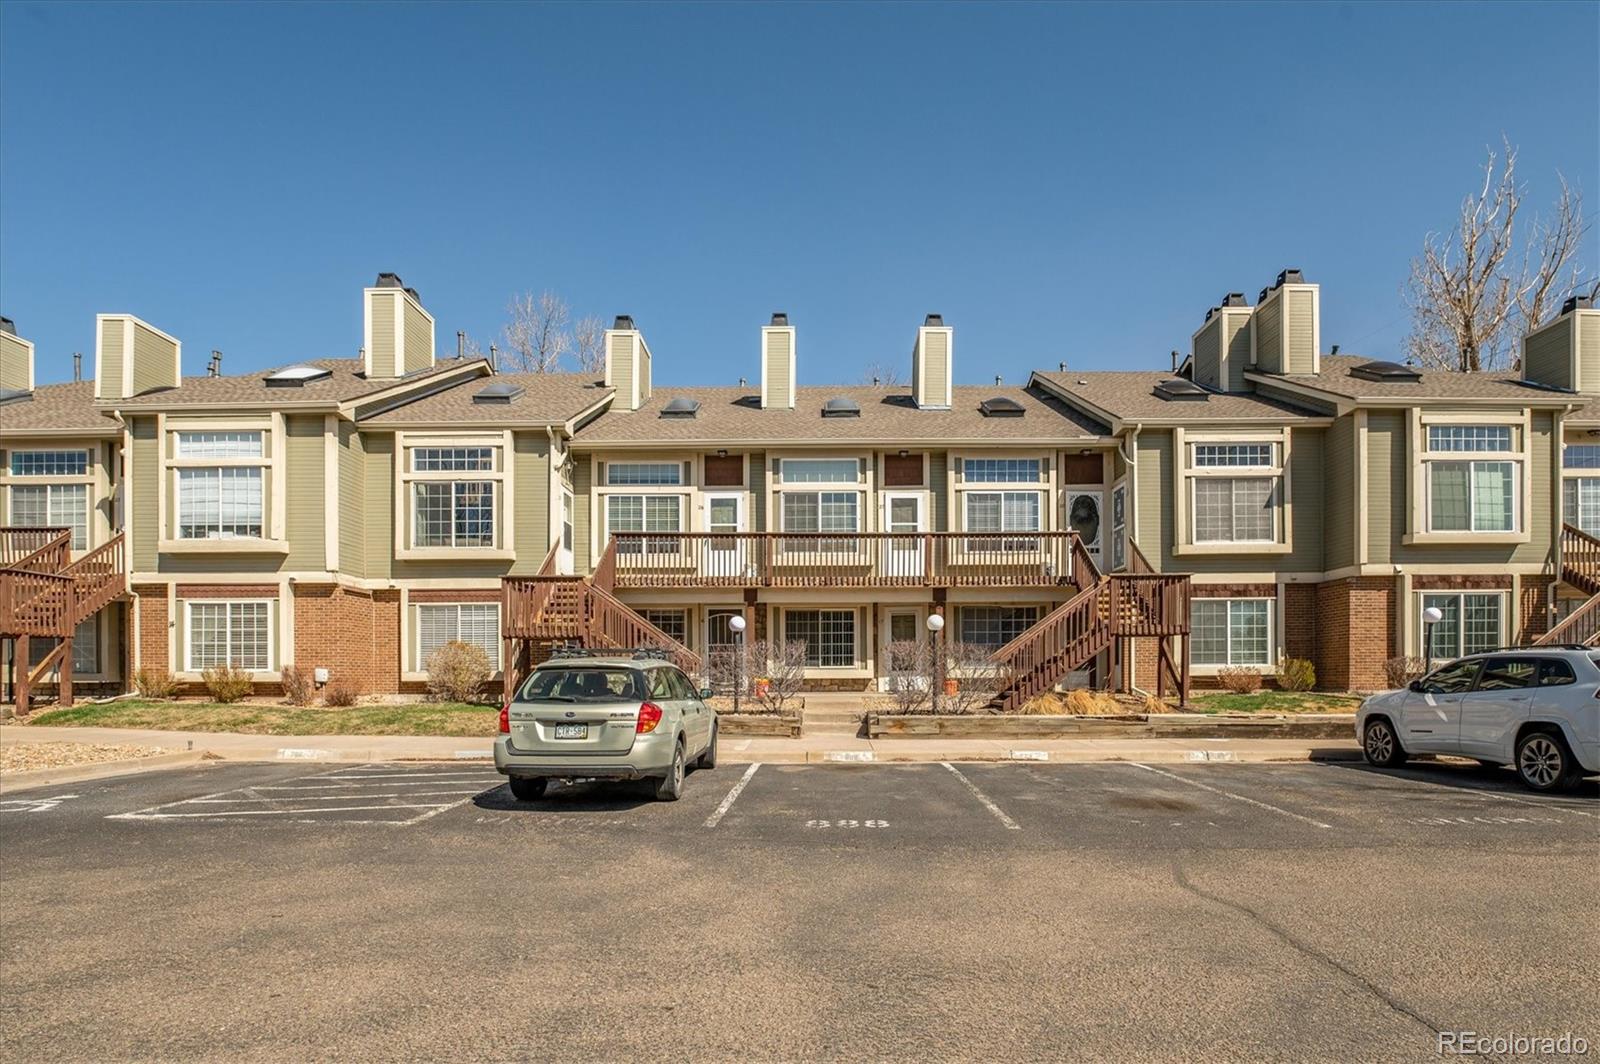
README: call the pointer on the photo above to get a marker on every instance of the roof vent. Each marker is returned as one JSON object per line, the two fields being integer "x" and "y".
{"x": 681, "y": 407}
{"x": 1000, "y": 406}
{"x": 780, "y": 320}
{"x": 1234, "y": 299}
{"x": 624, "y": 321}
{"x": 292, "y": 376}
{"x": 388, "y": 280}
{"x": 933, "y": 321}
{"x": 839, "y": 407}
{"x": 1572, "y": 303}
{"x": 1289, "y": 276}
{"x": 1389, "y": 372}
{"x": 1181, "y": 388}
{"x": 501, "y": 392}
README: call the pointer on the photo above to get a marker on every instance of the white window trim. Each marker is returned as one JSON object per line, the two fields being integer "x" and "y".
{"x": 274, "y": 484}
{"x": 858, "y": 666}
{"x": 270, "y": 672}
{"x": 50, "y": 484}
{"x": 501, "y": 476}
{"x": 1419, "y": 597}
{"x": 1418, "y": 529}
{"x": 414, "y": 636}
{"x": 1471, "y": 459}
{"x": 1274, "y": 646}
{"x": 1186, "y": 473}
{"x": 607, "y": 464}
{"x": 823, "y": 485}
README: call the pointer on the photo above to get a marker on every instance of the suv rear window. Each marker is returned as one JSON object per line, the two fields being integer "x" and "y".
{"x": 1553, "y": 672}
{"x": 589, "y": 683}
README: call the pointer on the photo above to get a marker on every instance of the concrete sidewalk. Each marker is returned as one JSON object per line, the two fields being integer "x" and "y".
{"x": 734, "y": 749}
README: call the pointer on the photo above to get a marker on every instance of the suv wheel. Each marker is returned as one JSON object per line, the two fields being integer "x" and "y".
{"x": 709, "y": 758}
{"x": 528, "y": 790}
{"x": 670, "y": 787}
{"x": 1380, "y": 745}
{"x": 1544, "y": 762}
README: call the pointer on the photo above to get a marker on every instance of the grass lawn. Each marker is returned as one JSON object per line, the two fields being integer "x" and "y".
{"x": 1273, "y": 702}
{"x": 427, "y": 718}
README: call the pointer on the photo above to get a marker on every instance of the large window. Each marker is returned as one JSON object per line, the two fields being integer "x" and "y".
{"x": 819, "y": 470}
{"x": 1002, "y": 511}
{"x": 225, "y": 500}
{"x": 1000, "y": 471}
{"x": 1235, "y": 492}
{"x": 634, "y": 474}
{"x": 453, "y": 513}
{"x": 645, "y": 513}
{"x": 230, "y": 633}
{"x": 474, "y": 623}
{"x": 1471, "y": 622}
{"x": 53, "y": 506}
{"x": 1472, "y": 494}
{"x": 451, "y": 495}
{"x": 1230, "y": 631}
{"x": 829, "y": 636}
{"x": 995, "y": 626}
{"x": 821, "y": 511}
{"x": 1580, "y": 495}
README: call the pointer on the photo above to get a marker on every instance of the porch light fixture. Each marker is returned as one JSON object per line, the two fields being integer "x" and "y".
{"x": 1430, "y": 617}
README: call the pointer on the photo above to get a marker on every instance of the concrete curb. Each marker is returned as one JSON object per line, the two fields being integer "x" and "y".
{"x": 94, "y": 770}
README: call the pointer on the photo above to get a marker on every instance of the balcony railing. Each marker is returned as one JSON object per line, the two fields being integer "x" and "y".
{"x": 843, "y": 559}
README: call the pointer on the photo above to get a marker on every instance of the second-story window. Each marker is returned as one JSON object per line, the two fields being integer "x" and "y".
{"x": 1002, "y": 511}
{"x": 50, "y": 489}
{"x": 453, "y": 512}
{"x": 1472, "y": 474}
{"x": 1235, "y": 492}
{"x": 1580, "y": 486}
{"x": 220, "y": 485}
{"x": 823, "y": 510}
{"x": 1000, "y": 470}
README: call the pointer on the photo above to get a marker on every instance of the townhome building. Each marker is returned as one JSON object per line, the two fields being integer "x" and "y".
{"x": 1259, "y": 499}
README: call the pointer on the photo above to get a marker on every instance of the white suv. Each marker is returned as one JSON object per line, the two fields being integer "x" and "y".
{"x": 1537, "y": 709}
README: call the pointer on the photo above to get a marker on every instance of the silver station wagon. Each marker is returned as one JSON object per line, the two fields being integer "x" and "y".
{"x": 605, "y": 715}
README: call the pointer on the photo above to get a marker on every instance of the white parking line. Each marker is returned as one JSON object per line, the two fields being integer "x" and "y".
{"x": 1489, "y": 793}
{"x": 359, "y": 796}
{"x": 223, "y": 814}
{"x": 1010, "y": 824}
{"x": 727, "y": 803}
{"x": 1230, "y": 794}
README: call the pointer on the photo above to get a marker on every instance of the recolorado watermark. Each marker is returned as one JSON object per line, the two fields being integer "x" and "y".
{"x": 1473, "y": 1044}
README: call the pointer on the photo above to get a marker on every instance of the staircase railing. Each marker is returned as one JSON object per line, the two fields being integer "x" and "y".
{"x": 605, "y": 570}
{"x": 33, "y": 603}
{"x": 99, "y": 578}
{"x": 44, "y": 550}
{"x": 1582, "y": 625}
{"x": 543, "y": 607}
{"x": 611, "y": 622}
{"x": 1580, "y": 559}
{"x": 1069, "y": 635}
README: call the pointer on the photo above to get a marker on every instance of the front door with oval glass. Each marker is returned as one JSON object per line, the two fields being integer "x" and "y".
{"x": 1084, "y": 516}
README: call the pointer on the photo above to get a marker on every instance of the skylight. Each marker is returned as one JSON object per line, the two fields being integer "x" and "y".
{"x": 1179, "y": 388}
{"x": 1000, "y": 406}
{"x": 839, "y": 407}
{"x": 295, "y": 376}
{"x": 1392, "y": 372}
{"x": 681, "y": 407}
{"x": 498, "y": 392}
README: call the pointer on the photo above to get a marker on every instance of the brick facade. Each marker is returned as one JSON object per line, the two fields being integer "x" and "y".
{"x": 155, "y": 642}
{"x": 1355, "y": 625}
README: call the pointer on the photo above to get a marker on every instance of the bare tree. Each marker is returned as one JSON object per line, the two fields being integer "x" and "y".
{"x": 886, "y": 374}
{"x": 536, "y": 336}
{"x": 910, "y": 670}
{"x": 784, "y": 670}
{"x": 1471, "y": 295}
{"x": 978, "y": 676}
{"x": 589, "y": 345}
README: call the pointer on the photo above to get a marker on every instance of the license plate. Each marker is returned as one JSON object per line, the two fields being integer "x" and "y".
{"x": 572, "y": 731}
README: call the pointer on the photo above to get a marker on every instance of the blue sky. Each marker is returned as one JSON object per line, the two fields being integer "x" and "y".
{"x": 1061, "y": 182}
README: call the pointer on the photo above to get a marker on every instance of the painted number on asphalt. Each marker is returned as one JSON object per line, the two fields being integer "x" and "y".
{"x": 847, "y": 823}
{"x": 33, "y": 805}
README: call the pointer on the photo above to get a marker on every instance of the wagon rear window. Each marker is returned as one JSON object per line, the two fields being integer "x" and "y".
{"x": 587, "y": 684}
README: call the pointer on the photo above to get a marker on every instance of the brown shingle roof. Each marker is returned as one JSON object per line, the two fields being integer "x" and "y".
{"x": 1335, "y": 379}
{"x": 58, "y": 408}
{"x": 344, "y": 383}
{"x": 1131, "y": 396}
{"x": 545, "y": 398}
{"x": 888, "y": 414}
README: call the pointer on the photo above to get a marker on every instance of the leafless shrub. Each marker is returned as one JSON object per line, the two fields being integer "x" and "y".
{"x": 910, "y": 668}
{"x": 226, "y": 683}
{"x": 782, "y": 669}
{"x": 1400, "y": 671}
{"x": 155, "y": 682}
{"x": 977, "y": 677}
{"x": 297, "y": 686}
{"x": 1239, "y": 679}
{"x": 340, "y": 694}
{"x": 457, "y": 672}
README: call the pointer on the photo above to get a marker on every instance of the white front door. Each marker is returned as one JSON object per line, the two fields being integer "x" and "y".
{"x": 726, "y": 554}
{"x": 1085, "y": 516}
{"x": 905, "y": 554}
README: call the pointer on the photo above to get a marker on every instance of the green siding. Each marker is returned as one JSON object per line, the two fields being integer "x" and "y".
{"x": 1236, "y": 330}
{"x": 1269, "y": 335}
{"x": 1300, "y": 344}
{"x": 582, "y": 479}
{"x": 1547, "y": 356}
{"x": 531, "y": 531}
{"x": 1588, "y": 326}
{"x": 758, "y": 491}
{"x": 144, "y": 492}
{"x": 352, "y": 496}
{"x": 152, "y": 361}
{"x": 111, "y": 358}
{"x": 305, "y": 518}
{"x": 1386, "y": 484}
{"x": 1308, "y": 489}
{"x": 1338, "y": 465}
{"x": 939, "y": 488}
{"x": 1153, "y": 467}
{"x": 379, "y": 495}
{"x": 1208, "y": 353}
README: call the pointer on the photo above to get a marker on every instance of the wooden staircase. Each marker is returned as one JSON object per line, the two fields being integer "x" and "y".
{"x": 548, "y": 609}
{"x": 1108, "y": 610}
{"x": 1580, "y": 567}
{"x": 44, "y": 594}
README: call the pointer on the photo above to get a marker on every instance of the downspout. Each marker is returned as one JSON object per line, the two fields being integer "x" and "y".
{"x": 1131, "y": 461}
{"x": 553, "y": 490}
{"x": 1559, "y": 516}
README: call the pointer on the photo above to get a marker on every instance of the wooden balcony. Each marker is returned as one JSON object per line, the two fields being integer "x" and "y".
{"x": 844, "y": 560}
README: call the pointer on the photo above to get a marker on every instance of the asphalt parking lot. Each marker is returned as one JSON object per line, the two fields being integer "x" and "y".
{"x": 961, "y": 911}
